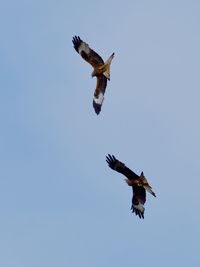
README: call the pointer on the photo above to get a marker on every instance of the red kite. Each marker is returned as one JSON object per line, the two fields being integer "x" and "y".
{"x": 139, "y": 184}
{"x": 101, "y": 70}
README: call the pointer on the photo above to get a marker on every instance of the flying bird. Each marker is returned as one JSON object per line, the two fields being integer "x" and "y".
{"x": 138, "y": 183}
{"x": 101, "y": 70}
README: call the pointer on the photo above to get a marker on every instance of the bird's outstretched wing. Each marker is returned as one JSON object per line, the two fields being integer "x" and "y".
{"x": 118, "y": 166}
{"x": 86, "y": 52}
{"x": 99, "y": 93}
{"x": 138, "y": 200}
{"x": 139, "y": 192}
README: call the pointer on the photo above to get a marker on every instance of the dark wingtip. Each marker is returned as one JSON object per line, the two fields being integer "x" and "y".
{"x": 76, "y": 40}
{"x": 114, "y": 157}
{"x": 108, "y": 158}
{"x": 96, "y": 107}
{"x": 111, "y": 161}
{"x": 137, "y": 212}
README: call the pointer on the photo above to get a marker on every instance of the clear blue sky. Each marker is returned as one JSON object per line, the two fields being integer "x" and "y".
{"x": 60, "y": 205}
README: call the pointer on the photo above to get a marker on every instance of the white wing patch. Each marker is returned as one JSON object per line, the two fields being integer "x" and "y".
{"x": 99, "y": 100}
{"x": 139, "y": 207}
{"x": 84, "y": 47}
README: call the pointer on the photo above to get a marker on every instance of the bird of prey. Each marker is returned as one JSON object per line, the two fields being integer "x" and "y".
{"x": 138, "y": 183}
{"x": 101, "y": 70}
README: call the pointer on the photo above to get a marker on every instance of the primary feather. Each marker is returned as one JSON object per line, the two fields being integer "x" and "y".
{"x": 138, "y": 183}
{"x": 86, "y": 52}
{"x": 101, "y": 70}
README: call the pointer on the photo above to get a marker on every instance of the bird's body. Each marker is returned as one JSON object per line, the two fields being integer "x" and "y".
{"x": 101, "y": 70}
{"x": 138, "y": 183}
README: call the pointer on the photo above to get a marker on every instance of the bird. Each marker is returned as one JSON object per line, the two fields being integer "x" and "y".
{"x": 138, "y": 183}
{"x": 101, "y": 70}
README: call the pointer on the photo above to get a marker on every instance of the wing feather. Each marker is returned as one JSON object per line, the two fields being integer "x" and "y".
{"x": 139, "y": 193}
{"x": 139, "y": 185}
{"x": 118, "y": 166}
{"x": 86, "y": 52}
{"x": 138, "y": 200}
{"x": 99, "y": 93}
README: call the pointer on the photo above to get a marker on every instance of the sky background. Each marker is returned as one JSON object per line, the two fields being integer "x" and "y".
{"x": 60, "y": 204}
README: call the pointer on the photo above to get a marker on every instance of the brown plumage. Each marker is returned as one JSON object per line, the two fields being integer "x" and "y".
{"x": 101, "y": 70}
{"x": 138, "y": 183}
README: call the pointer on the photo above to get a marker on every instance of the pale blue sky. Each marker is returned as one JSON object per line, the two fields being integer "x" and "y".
{"x": 60, "y": 204}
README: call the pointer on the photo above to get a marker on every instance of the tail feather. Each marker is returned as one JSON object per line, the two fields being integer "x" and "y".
{"x": 149, "y": 189}
{"x": 107, "y": 66}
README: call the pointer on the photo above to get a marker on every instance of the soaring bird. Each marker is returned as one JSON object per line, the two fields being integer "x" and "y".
{"x": 138, "y": 183}
{"x": 101, "y": 70}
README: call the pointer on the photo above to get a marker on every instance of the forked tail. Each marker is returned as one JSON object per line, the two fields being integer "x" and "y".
{"x": 149, "y": 189}
{"x": 107, "y": 66}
